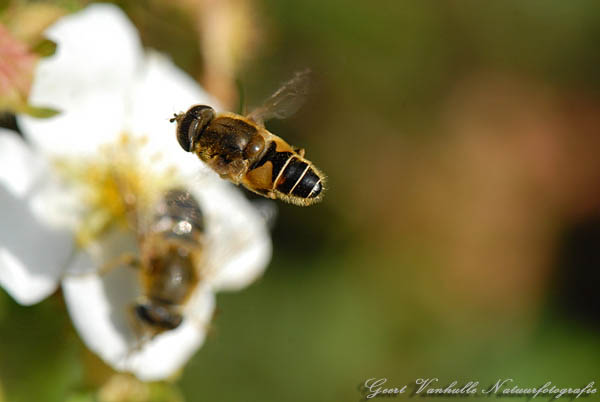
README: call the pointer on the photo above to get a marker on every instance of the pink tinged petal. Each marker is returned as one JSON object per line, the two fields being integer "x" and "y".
{"x": 101, "y": 310}
{"x": 161, "y": 91}
{"x": 16, "y": 67}
{"x": 97, "y": 59}
{"x": 33, "y": 252}
{"x": 239, "y": 246}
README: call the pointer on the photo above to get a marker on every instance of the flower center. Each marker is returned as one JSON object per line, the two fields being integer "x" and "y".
{"x": 115, "y": 187}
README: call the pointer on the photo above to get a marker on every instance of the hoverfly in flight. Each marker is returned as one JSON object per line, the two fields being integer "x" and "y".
{"x": 240, "y": 148}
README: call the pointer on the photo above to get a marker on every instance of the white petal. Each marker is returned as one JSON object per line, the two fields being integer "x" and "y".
{"x": 56, "y": 203}
{"x": 161, "y": 91}
{"x": 33, "y": 252}
{"x": 168, "y": 352}
{"x": 30, "y": 176}
{"x": 19, "y": 168}
{"x": 239, "y": 246}
{"x": 98, "y": 55}
{"x": 100, "y": 307}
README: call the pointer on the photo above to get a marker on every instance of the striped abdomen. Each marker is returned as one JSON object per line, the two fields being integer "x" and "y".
{"x": 293, "y": 178}
{"x": 298, "y": 178}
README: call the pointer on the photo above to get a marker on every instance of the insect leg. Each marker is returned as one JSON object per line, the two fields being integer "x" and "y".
{"x": 127, "y": 259}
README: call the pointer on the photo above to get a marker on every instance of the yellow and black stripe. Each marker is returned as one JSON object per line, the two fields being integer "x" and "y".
{"x": 292, "y": 175}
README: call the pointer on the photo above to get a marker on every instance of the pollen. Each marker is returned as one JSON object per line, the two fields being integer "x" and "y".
{"x": 114, "y": 187}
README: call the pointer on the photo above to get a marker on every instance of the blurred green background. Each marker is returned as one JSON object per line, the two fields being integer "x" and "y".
{"x": 460, "y": 233}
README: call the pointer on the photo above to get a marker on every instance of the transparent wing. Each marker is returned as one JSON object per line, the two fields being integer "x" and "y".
{"x": 285, "y": 101}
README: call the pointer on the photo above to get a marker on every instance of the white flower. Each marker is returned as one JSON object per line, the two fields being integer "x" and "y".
{"x": 33, "y": 251}
{"x": 105, "y": 85}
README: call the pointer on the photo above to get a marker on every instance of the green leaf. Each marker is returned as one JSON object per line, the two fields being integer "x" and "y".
{"x": 40, "y": 112}
{"x": 44, "y": 48}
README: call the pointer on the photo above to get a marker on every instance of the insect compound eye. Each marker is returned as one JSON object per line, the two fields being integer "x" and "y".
{"x": 192, "y": 124}
{"x": 254, "y": 147}
{"x": 183, "y": 138}
{"x": 158, "y": 316}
